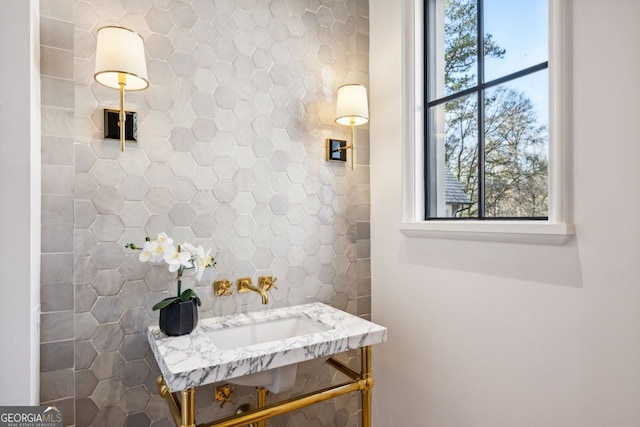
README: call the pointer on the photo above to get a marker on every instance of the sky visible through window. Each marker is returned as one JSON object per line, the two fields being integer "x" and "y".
{"x": 520, "y": 27}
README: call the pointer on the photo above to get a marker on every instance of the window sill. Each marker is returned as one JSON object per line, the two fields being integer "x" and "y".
{"x": 531, "y": 232}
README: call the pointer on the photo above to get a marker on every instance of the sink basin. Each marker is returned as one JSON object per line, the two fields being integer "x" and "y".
{"x": 263, "y": 332}
{"x": 275, "y": 380}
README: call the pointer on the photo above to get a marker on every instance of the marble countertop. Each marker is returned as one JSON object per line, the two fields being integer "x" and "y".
{"x": 194, "y": 360}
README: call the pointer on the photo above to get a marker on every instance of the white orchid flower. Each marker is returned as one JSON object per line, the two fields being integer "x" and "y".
{"x": 202, "y": 260}
{"x": 148, "y": 251}
{"x": 152, "y": 252}
{"x": 189, "y": 247}
{"x": 177, "y": 259}
{"x": 159, "y": 248}
{"x": 163, "y": 239}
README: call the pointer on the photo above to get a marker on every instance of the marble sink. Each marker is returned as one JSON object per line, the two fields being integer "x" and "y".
{"x": 260, "y": 348}
{"x": 253, "y": 333}
{"x": 241, "y": 335}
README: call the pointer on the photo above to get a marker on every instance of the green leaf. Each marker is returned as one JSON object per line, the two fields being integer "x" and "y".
{"x": 189, "y": 294}
{"x": 186, "y": 295}
{"x": 165, "y": 303}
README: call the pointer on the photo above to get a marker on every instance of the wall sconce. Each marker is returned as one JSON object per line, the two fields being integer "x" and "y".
{"x": 352, "y": 109}
{"x": 120, "y": 64}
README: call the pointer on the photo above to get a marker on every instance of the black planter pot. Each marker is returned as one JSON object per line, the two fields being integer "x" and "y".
{"x": 179, "y": 318}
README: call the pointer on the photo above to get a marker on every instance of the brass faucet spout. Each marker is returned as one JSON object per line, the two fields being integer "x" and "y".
{"x": 244, "y": 285}
{"x": 265, "y": 298}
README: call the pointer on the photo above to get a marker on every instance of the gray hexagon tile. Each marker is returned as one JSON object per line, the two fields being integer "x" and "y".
{"x": 134, "y": 347}
{"x": 244, "y": 202}
{"x": 107, "y": 337}
{"x": 108, "y": 282}
{"x": 85, "y": 158}
{"x": 182, "y": 189}
{"x": 107, "y": 365}
{"x": 86, "y": 382}
{"x": 158, "y": 124}
{"x": 182, "y": 64}
{"x": 109, "y": 416}
{"x": 203, "y": 130}
{"x": 84, "y": 354}
{"x": 107, "y": 200}
{"x": 133, "y": 293}
{"x": 108, "y": 392}
{"x": 107, "y": 309}
{"x": 203, "y": 178}
{"x": 85, "y": 327}
{"x": 135, "y": 320}
{"x": 206, "y": 81}
{"x": 182, "y": 15}
{"x": 182, "y": 89}
{"x": 182, "y": 40}
{"x": 203, "y": 202}
{"x": 85, "y": 186}
{"x": 134, "y": 400}
{"x": 182, "y": 164}
{"x": 159, "y": 224}
{"x": 203, "y": 226}
{"x": 85, "y": 297}
{"x": 107, "y": 173}
{"x": 107, "y": 228}
{"x": 182, "y": 214}
{"x": 134, "y": 214}
{"x": 159, "y": 73}
{"x": 135, "y": 373}
{"x": 226, "y": 121}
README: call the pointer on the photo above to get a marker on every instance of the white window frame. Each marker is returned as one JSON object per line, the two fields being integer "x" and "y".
{"x": 558, "y": 228}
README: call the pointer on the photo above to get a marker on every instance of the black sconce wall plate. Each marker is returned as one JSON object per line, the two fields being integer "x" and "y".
{"x": 336, "y": 150}
{"x": 112, "y": 130}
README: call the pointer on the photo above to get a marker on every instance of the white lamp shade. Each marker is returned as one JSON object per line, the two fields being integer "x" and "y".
{"x": 352, "y": 106}
{"x": 120, "y": 50}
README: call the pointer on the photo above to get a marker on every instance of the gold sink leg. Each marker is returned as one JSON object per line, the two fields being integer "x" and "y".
{"x": 188, "y": 407}
{"x": 262, "y": 402}
{"x": 367, "y": 380}
{"x": 184, "y": 413}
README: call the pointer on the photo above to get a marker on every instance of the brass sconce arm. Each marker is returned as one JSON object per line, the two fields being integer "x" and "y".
{"x": 346, "y": 147}
{"x": 122, "y": 82}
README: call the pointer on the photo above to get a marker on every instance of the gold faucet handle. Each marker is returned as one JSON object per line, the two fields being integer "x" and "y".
{"x": 244, "y": 284}
{"x": 223, "y": 394}
{"x": 267, "y": 282}
{"x": 222, "y": 287}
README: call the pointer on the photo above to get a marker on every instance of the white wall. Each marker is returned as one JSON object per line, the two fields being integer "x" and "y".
{"x": 19, "y": 202}
{"x": 491, "y": 334}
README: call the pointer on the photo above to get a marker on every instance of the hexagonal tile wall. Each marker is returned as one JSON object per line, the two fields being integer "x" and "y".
{"x": 229, "y": 155}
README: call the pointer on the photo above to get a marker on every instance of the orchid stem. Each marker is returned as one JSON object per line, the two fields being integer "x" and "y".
{"x": 180, "y": 270}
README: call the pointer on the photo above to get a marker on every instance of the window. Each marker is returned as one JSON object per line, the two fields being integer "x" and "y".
{"x": 485, "y": 120}
{"x": 486, "y": 150}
